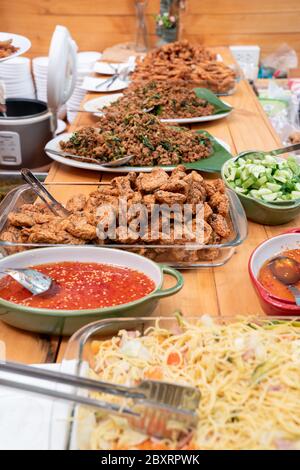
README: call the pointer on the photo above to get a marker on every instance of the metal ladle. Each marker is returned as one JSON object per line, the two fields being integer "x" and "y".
{"x": 287, "y": 271}
{"x": 32, "y": 280}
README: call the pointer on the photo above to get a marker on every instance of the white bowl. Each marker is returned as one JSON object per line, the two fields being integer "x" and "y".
{"x": 272, "y": 247}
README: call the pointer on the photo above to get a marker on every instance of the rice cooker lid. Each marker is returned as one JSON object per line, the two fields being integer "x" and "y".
{"x": 62, "y": 68}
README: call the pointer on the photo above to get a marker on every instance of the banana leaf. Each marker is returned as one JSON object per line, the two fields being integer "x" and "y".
{"x": 213, "y": 163}
{"x": 210, "y": 97}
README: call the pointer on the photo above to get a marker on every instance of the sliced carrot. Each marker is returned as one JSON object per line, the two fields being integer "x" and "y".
{"x": 149, "y": 445}
{"x": 95, "y": 346}
{"x": 174, "y": 359}
{"x": 155, "y": 373}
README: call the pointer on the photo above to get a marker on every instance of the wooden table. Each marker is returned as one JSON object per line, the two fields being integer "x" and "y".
{"x": 224, "y": 290}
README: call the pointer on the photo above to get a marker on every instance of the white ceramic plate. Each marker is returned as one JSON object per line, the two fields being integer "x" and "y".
{"x": 94, "y": 84}
{"x": 21, "y": 42}
{"x": 96, "y": 104}
{"x": 54, "y": 145}
{"x": 107, "y": 68}
{"x": 61, "y": 126}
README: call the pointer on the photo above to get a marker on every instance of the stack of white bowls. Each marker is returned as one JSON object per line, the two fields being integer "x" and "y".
{"x": 40, "y": 70}
{"x": 16, "y": 74}
{"x": 85, "y": 64}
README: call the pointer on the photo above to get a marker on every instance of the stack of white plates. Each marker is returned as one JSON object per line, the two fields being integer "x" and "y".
{"x": 40, "y": 70}
{"x": 16, "y": 74}
{"x": 85, "y": 64}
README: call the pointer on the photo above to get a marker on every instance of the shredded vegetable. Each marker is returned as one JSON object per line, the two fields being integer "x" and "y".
{"x": 248, "y": 374}
{"x": 266, "y": 178}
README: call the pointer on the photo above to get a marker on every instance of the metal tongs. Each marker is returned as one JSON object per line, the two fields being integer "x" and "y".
{"x": 56, "y": 208}
{"x": 156, "y": 405}
{"x": 118, "y": 74}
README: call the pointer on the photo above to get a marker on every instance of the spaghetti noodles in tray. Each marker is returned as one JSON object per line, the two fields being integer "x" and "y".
{"x": 247, "y": 370}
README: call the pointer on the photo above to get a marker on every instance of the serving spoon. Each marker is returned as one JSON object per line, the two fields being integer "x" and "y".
{"x": 112, "y": 164}
{"x": 287, "y": 271}
{"x": 273, "y": 153}
{"x": 32, "y": 280}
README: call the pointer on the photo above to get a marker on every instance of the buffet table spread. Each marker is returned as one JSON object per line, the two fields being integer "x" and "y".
{"x": 224, "y": 290}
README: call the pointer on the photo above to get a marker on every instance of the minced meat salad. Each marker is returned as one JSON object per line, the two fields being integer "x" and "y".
{"x": 141, "y": 135}
{"x": 167, "y": 100}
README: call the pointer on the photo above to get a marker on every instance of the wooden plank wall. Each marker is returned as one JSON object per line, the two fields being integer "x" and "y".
{"x": 267, "y": 23}
{"x": 96, "y": 24}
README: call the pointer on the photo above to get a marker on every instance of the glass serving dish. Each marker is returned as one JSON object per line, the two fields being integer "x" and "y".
{"x": 12, "y": 179}
{"x": 179, "y": 256}
{"x": 69, "y": 430}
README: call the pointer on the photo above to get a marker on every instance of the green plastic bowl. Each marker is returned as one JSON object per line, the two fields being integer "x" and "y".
{"x": 263, "y": 212}
{"x": 66, "y": 322}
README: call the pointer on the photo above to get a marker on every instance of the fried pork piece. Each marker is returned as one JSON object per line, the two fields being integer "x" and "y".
{"x": 43, "y": 218}
{"x": 151, "y": 235}
{"x": 148, "y": 201}
{"x": 18, "y": 219}
{"x": 37, "y": 208}
{"x": 8, "y": 237}
{"x": 125, "y": 235}
{"x": 76, "y": 203}
{"x": 49, "y": 237}
{"x": 123, "y": 184}
{"x": 214, "y": 186}
{"x": 219, "y": 203}
{"x": 214, "y": 239}
{"x": 207, "y": 210}
{"x": 12, "y": 237}
{"x": 29, "y": 218}
{"x": 149, "y": 182}
{"x": 175, "y": 185}
{"x": 166, "y": 197}
{"x": 179, "y": 172}
{"x": 179, "y": 235}
{"x": 195, "y": 192}
{"x": 219, "y": 225}
{"x": 104, "y": 216}
{"x": 107, "y": 190}
{"x": 207, "y": 232}
{"x": 98, "y": 199}
{"x": 79, "y": 227}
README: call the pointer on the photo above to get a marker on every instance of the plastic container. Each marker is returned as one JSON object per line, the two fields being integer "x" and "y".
{"x": 74, "y": 432}
{"x": 181, "y": 256}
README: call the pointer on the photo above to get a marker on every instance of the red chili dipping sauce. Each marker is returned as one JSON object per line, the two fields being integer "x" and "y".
{"x": 79, "y": 286}
{"x": 272, "y": 284}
